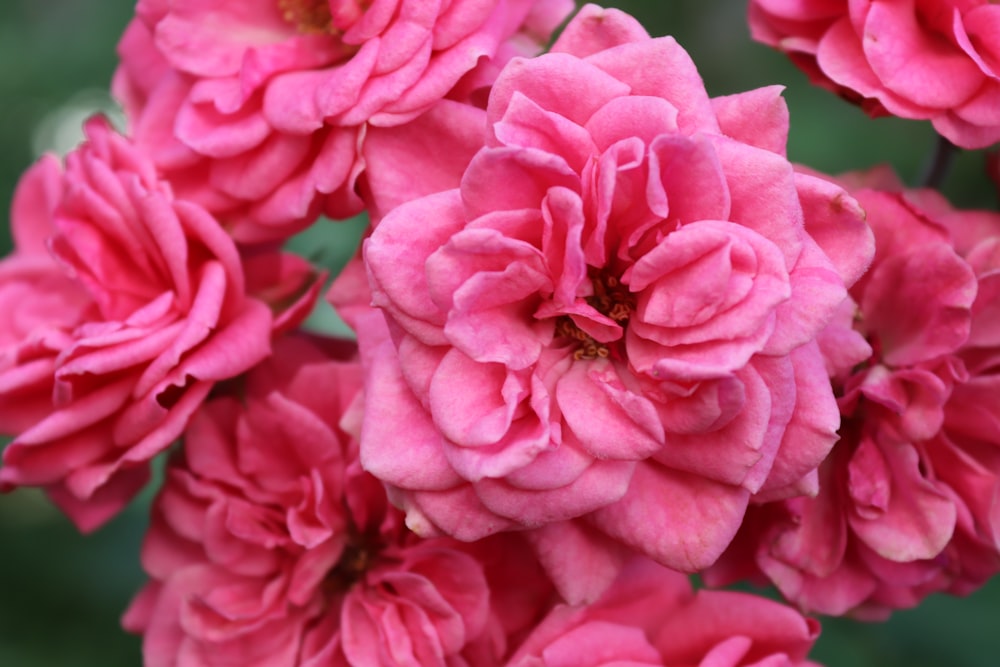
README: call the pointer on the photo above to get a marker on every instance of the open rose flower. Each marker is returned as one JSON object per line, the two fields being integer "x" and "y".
{"x": 937, "y": 60}
{"x": 612, "y": 319}
{"x": 114, "y": 335}
{"x": 270, "y": 546}
{"x": 650, "y": 617}
{"x": 907, "y": 503}
{"x": 259, "y": 109}
{"x": 39, "y": 301}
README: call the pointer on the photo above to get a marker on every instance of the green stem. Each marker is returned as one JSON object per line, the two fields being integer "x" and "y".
{"x": 939, "y": 164}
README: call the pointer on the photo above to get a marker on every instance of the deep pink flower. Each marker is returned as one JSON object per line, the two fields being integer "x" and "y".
{"x": 113, "y": 336}
{"x": 651, "y": 617}
{"x": 936, "y": 60}
{"x": 259, "y": 109}
{"x": 613, "y": 316}
{"x": 907, "y": 501}
{"x": 270, "y": 546}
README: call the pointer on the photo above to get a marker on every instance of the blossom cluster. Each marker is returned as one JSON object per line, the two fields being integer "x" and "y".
{"x": 606, "y": 335}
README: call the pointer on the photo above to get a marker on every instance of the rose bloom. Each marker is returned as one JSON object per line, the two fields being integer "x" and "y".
{"x": 907, "y": 502}
{"x": 650, "y": 617}
{"x": 270, "y": 546}
{"x": 116, "y": 332}
{"x": 937, "y": 60}
{"x": 259, "y": 109}
{"x": 612, "y": 319}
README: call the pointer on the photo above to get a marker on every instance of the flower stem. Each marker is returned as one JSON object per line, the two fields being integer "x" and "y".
{"x": 939, "y": 165}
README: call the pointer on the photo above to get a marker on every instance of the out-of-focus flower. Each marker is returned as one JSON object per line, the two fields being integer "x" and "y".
{"x": 651, "y": 617}
{"x": 936, "y": 60}
{"x": 259, "y": 109}
{"x": 907, "y": 503}
{"x": 115, "y": 335}
{"x": 270, "y": 546}
{"x": 613, "y": 318}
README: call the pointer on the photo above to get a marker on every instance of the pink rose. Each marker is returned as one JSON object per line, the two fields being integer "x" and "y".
{"x": 937, "y": 60}
{"x": 270, "y": 546}
{"x": 651, "y": 617}
{"x": 259, "y": 110}
{"x": 613, "y": 318}
{"x": 114, "y": 337}
{"x": 39, "y": 302}
{"x": 907, "y": 498}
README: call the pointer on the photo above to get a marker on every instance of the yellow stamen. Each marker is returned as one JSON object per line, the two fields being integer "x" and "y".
{"x": 610, "y": 298}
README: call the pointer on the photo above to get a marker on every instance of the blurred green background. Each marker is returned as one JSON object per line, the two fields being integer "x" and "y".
{"x": 61, "y": 594}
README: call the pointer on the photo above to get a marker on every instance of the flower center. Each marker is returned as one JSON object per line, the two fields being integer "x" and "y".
{"x": 309, "y": 17}
{"x": 610, "y": 298}
{"x": 358, "y": 556}
{"x": 317, "y": 17}
{"x": 588, "y": 347}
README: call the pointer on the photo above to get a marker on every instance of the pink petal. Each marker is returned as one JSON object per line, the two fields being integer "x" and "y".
{"x": 596, "y": 29}
{"x": 679, "y": 520}
{"x": 757, "y": 117}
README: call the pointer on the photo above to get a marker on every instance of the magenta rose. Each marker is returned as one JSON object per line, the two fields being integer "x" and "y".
{"x": 650, "y": 617}
{"x": 114, "y": 336}
{"x": 937, "y": 60}
{"x": 906, "y": 505}
{"x": 259, "y": 110}
{"x": 270, "y": 546}
{"x": 613, "y": 318}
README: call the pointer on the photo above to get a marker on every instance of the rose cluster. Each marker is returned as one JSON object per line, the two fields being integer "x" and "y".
{"x": 606, "y": 335}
